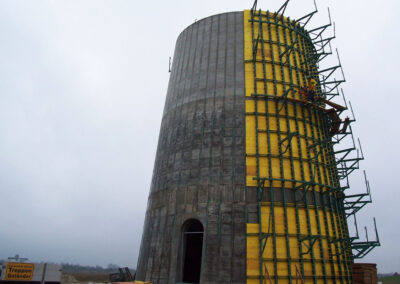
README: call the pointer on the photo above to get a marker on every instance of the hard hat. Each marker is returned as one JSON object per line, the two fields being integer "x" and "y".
{"x": 313, "y": 82}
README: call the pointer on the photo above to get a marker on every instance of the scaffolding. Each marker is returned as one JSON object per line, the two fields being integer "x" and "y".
{"x": 301, "y": 167}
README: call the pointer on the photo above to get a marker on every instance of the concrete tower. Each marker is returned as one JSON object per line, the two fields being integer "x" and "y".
{"x": 245, "y": 184}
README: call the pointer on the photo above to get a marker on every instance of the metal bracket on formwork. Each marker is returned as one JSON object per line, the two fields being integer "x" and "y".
{"x": 322, "y": 55}
{"x": 346, "y": 185}
{"x": 288, "y": 51}
{"x": 329, "y": 71}
{"x": 343, "y": 97}
{"x": 265, "y": 239}
{"x": 255, "y": 47}
{"x": 284, "y": 98}
{"x": 308, "y": 16}
{"x": 305, "y": 185}
{"x": 282, "y": 8}
{"x": 321, "y": 43}
{"x": 341, "y": 250}
{"x": 318, "y": 31}
{"x": 312, "y": 239}
{"x": 363, "y": 248}
{"x": 260, "y": 187}
{"x": 321, "y": 143}
{"x": 254, "y": 7}
{"x": 330, "y": 86}
{"x": 316, "y": 163}
{"x": 355, "y": 202}
{"x": 346, "y": 165}
{"x": 288, "y": 138}
{"x": 345, "y": 152}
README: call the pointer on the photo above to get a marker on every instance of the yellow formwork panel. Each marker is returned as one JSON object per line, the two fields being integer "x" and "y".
{"x": 267, "y": 123}
{"x": 289, "y": 242}
{"x": 269, "y": 144}
{"x": 294, "y": 112}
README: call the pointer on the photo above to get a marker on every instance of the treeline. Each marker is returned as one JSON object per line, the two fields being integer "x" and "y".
{"x": 111, "y": 268}
{"x": 68, "y": 267}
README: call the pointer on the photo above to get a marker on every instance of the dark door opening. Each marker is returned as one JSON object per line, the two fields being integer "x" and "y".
{"x": 193, "y": 247}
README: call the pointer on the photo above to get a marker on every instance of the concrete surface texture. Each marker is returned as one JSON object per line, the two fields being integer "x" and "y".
{"x": 199, "y": 171}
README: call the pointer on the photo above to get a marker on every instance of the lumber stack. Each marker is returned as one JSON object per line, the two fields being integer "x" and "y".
{"x": 364, "y": 273}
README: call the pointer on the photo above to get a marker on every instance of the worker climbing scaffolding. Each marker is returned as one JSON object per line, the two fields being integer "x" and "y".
{"x": 309, "y": 93}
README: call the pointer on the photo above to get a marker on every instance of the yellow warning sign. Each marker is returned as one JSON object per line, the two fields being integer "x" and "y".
{"x": 19, "y": 271}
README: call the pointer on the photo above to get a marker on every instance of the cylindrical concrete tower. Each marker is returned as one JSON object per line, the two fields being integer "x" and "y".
{"x": 245, "y": 185}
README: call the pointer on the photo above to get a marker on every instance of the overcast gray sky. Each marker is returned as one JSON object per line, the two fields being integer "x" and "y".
{"x": 82, "y": 89}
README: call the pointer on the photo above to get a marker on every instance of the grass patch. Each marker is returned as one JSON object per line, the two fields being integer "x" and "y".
{"x": 390, "y": 279}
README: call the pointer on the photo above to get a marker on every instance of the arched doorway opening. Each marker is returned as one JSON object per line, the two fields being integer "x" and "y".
{"x": 193, "y": 232}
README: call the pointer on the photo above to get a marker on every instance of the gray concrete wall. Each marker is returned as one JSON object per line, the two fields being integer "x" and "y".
{"x": 199, "y": 171}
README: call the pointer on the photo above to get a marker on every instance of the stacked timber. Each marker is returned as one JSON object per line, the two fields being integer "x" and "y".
{"x": 364, "y": 273}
